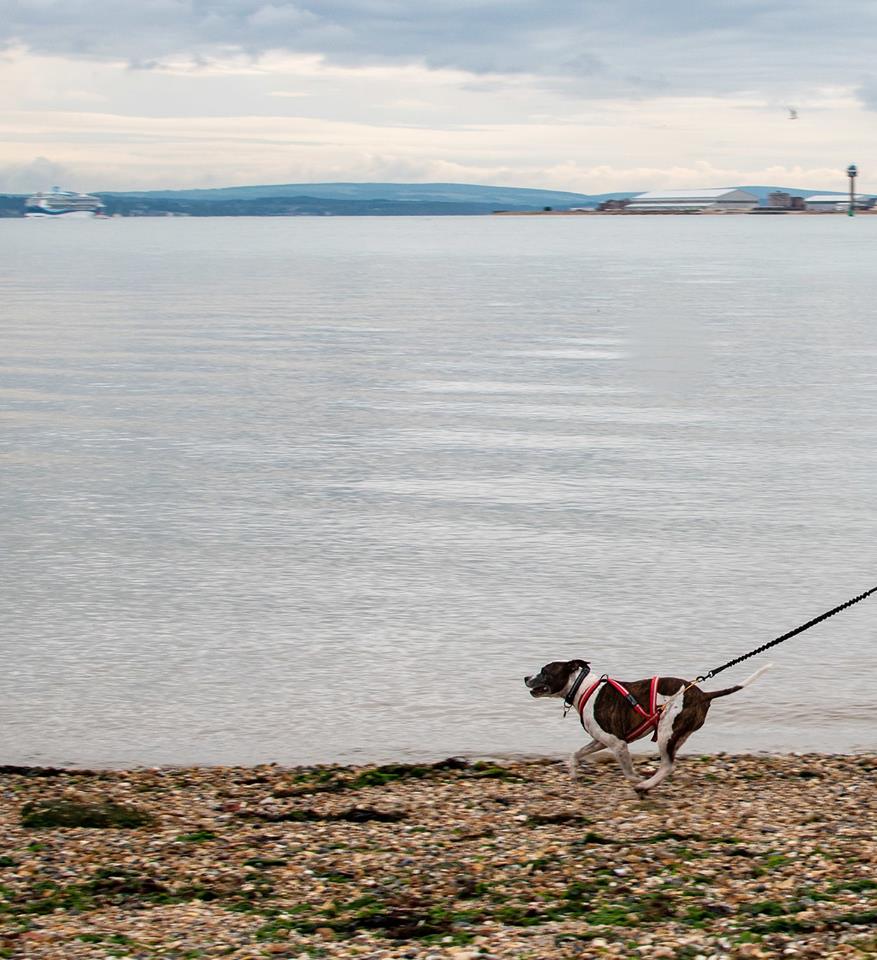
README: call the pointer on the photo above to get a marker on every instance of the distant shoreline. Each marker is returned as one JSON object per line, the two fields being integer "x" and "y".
{"x": 411, "y": 215}
{"x": 759, "y": 211}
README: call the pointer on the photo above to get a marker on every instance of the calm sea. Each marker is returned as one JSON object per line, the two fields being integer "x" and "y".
{"x": 305, "y": 490}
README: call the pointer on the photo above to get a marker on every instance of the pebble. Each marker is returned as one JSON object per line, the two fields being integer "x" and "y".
{"x": 733, "y": 844}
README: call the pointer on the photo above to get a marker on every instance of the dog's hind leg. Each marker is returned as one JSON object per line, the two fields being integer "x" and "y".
{"x": 665, "y": 768}
{"x": 671, "y": 736}
{"x": 576, "y": 759}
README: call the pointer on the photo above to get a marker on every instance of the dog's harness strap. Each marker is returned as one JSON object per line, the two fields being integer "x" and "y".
{"x": 650, "y": 718}
{"x": 628, "y": 696}
{"x": 586, "y": 696}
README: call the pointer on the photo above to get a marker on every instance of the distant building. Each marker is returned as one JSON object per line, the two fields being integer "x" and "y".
{"x": 613, "y": 205}
{"x": 714, "y": 200}
{"x": 836, "y": 202}
{"x": 780, "y": 200}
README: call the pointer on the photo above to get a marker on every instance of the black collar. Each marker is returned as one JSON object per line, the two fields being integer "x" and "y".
{"x": 574, "y": 689}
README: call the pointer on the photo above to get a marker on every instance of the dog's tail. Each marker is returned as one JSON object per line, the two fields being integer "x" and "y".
{"x": 713, "y": 694}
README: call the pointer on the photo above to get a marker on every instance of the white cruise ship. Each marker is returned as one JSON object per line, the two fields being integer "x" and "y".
{"x": 63, "y": 203}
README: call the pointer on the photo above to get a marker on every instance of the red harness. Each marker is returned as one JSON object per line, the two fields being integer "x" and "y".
{"x": 651, "y": 717}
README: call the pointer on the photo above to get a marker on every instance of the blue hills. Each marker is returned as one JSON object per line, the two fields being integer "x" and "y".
{"x": 510, "y": 197}
{"x": 526, "y": 198}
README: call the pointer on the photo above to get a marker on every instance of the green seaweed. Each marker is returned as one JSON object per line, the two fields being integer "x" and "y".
{"x": 199, "y": 836}
{"x": 109, "y": 885}
{"x": 332, "y": 780}
{"x": 490, "y": 771}
{"x": 770, "y": 908}
{"x": 389, "y": 773}
{"x": 309, "y": 815}
{"x": 47, "y": 814}
{"x": 562, "y": 819}
{"x": 368, "y": 913}
{"x": 792, "y": 925}
{"x": 592, "y": 838}
{"x": 855, "y": 886}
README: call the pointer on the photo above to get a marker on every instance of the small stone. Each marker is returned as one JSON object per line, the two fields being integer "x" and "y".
{"x": 749, "y": 950}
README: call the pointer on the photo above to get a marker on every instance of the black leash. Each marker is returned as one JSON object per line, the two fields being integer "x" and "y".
{"x": 786, "y": 636}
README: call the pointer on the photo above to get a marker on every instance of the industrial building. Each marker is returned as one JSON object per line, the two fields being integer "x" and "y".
{"x": 780, "y": 200}
{"x": 836, "y": 203}
{"x": 714, "y": 200}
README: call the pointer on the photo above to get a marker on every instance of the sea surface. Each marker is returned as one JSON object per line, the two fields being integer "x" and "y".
{"x": 325, "y": 490}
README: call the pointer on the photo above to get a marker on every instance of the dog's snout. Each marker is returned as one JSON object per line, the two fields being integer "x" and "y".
{"x": 527, "y": 679}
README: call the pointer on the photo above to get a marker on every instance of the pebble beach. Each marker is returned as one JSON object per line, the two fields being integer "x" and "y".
{"x": 736, "y": 856}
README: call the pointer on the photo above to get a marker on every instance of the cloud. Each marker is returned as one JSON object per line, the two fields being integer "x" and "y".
{"x": 598, "y": 47}
{"x": 584, "y": 95}
{"x": 867, "y": 94}
{"x": 33, "y": 175}
{"x": 612, "y": 145}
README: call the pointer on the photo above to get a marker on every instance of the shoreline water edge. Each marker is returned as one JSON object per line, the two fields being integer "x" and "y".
{"x": 736, "y": 856}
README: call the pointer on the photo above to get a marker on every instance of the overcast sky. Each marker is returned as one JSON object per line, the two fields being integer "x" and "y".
{"x": 583, "y": 95}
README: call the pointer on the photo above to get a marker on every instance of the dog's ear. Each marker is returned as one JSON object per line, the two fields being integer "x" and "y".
{"x": 579, "y": 664}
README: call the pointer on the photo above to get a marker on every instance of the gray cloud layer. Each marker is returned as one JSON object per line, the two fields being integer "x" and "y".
{"x": 676, "y": 45}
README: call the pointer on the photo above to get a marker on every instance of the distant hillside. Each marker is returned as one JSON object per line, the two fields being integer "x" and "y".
{"x": 152, "y": 205}
{"x": 509, "y": 198}
{"x": 11, "y": 205}
{"x": 478, "y": 198}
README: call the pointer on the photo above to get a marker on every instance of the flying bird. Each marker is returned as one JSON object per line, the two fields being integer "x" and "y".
{"x": 793, "y": 113}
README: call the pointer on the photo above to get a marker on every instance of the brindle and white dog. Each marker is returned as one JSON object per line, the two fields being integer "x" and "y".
{"x": 609, "y": 718}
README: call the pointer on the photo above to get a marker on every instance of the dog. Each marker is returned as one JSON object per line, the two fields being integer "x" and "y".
{"x": 614, "y": 714}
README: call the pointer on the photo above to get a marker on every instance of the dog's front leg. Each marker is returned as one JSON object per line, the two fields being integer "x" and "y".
{"x": 580, "y": 754}
{"x": 622, "y": 755}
